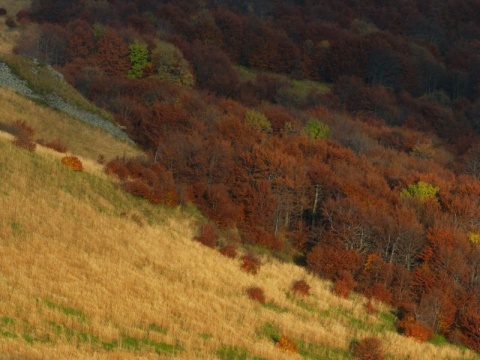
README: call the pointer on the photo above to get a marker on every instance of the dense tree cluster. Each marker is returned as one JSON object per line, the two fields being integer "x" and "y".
{"x": 374, "y": 185}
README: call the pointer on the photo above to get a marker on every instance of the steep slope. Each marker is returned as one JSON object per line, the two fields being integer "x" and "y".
{"x": 88, "y": 271}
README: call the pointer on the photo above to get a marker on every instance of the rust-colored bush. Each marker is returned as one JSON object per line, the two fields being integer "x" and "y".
{"x": 73, "y": 163}
{"x": 301, "y": 287}
{"x": 171, "y": 198}
{"x": 117, "y": 168}
{"x": 344, "y": 285}
{"x": 229, "y": 250}
{"x": 25, "y": 143}
{"x": 23, "y": 135}
{"x": 54, "y": 145}
{"x": 255, "y": 293}
{"x": 208, "y": 235}
{"x": 469, "y": 323}
{"x": 415, "y": 329}
{"x": 368, "y": 349}
{"x": 250, "y": 264}
{"x": 21, "y": 128}
{"x": 379, "y": 292}
{"x": 369, "y": 308}
{"x": 287, "y": 345}
{"x": 137, "y": 187}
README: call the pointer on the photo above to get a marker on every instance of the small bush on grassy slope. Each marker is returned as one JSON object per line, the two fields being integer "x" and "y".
{"x": 250, "y": 263}
{"x": 285, "y": 344}
{"x": 229, "y": 251}
{"x": 256, "y": 293}
{"x": 73, "y": 163}
{"x": 23, "y": 135}
{"x": 208, "y": 235}
{"x": 415, "y": 329}
{"x": 368, "y": 349}
{"x": 344, "y": 285}
{"x": 54, "y": 145}
{"x": 369, "y": 308}
{"x": 301, "y": 287}
{"x": 117, "y": 168}
{"x": 138, "y": 187}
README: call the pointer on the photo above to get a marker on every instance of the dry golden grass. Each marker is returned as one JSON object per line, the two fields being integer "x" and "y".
{"x": 80, "y": 139}
{"x": 77, "y": 278}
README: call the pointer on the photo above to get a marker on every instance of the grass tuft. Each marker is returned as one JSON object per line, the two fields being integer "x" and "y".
{"x": 66, "y": 310}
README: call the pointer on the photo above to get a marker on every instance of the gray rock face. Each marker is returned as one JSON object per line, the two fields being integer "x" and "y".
{"x": 9, "y": 80}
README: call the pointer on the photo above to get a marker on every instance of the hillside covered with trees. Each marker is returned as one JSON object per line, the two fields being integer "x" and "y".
{"x": 343, "y": 135}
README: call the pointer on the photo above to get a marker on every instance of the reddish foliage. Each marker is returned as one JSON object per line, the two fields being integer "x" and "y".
{"x": 73, "y": 163}
{"x": 171, "y": 197}
{"x": 24, "y": 143}
{"x": 138, "y": 187}
{"x": 368, "y": 349}
{"x": 259, "y": 236}
{"x": 54, "y": 145}
{"x": 214, "y": 70}
{"x": 81, "y": 40}
{"x": 344, "y": 285}
{"x": 117, "y": 168}
{"x": 412, "y": 328}
{"x": 279, "y": 117}
{"x": 301, "y": 287}
{"x": 287, "y": 345}
{"x": 23, "y": 135}
{"x": 256, "y": 293}
{"x": 250, "y": 263}
{"x": 112, "y": 54}
{"x": 469, "y": 324}
{"x": 208, "y": 235}
{"x": 369, "y": 308}
{"x": 379, "y": 292}
{"x": 229, "y": 250}
{"x": 331, "y": 261}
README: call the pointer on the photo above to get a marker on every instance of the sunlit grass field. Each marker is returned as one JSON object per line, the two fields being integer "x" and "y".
{"x": 88, "y": 271}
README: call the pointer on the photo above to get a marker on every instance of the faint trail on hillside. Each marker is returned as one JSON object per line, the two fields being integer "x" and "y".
{"x": 9, "y": 80}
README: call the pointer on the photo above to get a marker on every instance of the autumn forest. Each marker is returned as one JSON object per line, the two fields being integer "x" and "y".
{"x": 342, "y": 135}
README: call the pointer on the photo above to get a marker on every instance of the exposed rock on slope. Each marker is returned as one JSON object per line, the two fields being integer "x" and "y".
{"x": 9, "y": 80}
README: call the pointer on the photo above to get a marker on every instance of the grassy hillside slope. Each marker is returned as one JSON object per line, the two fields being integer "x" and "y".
{"x": 48, "y": 124}
{"x": 88, "y": 271}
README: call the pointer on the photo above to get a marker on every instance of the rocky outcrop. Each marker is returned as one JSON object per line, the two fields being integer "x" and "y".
{"x": 9, "y": 80}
